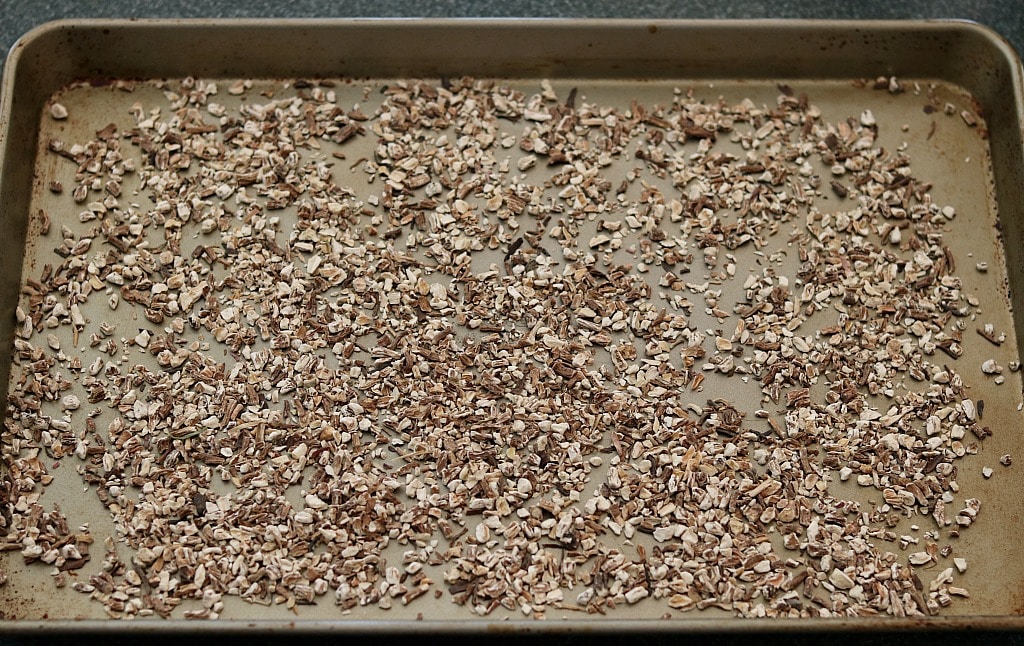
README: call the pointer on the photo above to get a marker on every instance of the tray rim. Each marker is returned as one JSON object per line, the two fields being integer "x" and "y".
{"x": 472, "y": 625}
{"x": 965, "y": 25}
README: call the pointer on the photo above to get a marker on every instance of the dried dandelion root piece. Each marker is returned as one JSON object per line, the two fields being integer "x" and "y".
{"x": 477, "y": 343}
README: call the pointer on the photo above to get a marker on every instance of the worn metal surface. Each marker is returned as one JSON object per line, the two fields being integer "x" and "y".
{"x": 979, "y": 170}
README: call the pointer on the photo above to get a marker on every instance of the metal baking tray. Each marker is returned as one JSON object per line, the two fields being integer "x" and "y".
{"x": 971, "y": 153}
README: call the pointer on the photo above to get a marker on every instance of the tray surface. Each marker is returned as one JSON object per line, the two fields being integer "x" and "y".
{"x": 582, "y": 345}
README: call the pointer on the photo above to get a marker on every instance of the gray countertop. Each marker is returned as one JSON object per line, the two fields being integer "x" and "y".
{"x": 1004, "y": 16}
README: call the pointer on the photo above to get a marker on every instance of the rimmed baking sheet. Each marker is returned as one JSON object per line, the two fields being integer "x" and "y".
{"x": 945, "y": 94}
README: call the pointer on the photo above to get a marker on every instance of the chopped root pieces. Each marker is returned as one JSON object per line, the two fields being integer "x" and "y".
{"x": 494, "y": 354}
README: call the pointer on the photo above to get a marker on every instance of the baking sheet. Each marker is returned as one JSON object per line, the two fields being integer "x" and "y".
{"x": 973, "y": 167}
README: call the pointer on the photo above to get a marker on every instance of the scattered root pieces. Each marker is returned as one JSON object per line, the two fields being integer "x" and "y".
{"x": 989, "y": 333}
{"x": 471, "y": 361}
{"x": 58, "y": 112}
{"x": 990, "y": 367}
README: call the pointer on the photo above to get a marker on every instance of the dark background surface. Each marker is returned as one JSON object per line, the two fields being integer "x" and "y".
{"x": 687, "y": 639}
{"x": 1004, "y": 16}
